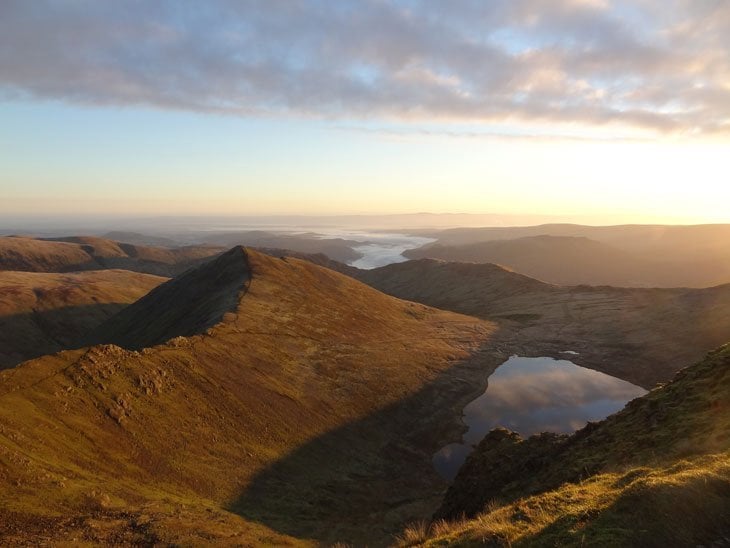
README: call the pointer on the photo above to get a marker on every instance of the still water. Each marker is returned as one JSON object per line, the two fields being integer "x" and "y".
{"x": 532, "y": 395}
{"x": 377, "y": 248}
{"x": 384, "y": 249}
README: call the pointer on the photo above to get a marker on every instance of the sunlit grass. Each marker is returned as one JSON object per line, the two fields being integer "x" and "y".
{"x": 594, "y": 512}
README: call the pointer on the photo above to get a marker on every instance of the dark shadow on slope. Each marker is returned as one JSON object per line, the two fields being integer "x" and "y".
{"x": 31, "y": 335}
{"x": 184, "y": 306}
{"x": 146, "y": 266}
{"x": 639, "y": 335}
{"x": 362, "y": 482}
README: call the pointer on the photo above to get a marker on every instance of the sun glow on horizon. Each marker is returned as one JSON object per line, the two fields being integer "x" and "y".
{"x": 599, "y": 110}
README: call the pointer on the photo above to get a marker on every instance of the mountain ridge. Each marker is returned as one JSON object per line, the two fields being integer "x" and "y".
{"x": 561, "y": 260}
{"x": 81, "y": 253}
{"x": 184, "y": 306}
{"x": 637, "y": 255}
{"x": 314, "y": 367}
{"x": 642, "y": 335}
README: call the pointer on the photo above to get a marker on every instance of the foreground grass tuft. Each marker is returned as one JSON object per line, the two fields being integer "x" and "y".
{"x": 640, "y": 507}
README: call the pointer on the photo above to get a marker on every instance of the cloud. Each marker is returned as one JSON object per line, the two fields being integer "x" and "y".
{"x": 662, "y": 66}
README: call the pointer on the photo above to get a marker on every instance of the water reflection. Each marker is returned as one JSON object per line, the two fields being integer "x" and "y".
{"x": 384, "y": 249}
{"x": 532, "y": 395}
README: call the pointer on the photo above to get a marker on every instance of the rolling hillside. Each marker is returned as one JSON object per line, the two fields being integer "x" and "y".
{"x": 624, "y": 255}
{"x": 43, "y": 313}
{"x": 90, "y": 253}
{"x": 640, "y": 335}
{"x": 309, "y": 411}
{"x": 562, "y": 260}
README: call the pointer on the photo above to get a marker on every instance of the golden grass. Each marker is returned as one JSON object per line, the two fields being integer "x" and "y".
{"x": 593, "y": 513}
{"x": 308, "y": 354}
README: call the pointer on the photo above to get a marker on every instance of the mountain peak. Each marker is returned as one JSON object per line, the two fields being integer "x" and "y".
{"x": 185, "y": 306}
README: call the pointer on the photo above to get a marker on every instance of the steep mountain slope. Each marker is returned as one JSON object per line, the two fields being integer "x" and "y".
{"x": 560, "y": 260}
{"x": 43, "y": 313}
{"x": 655, "y": 474}
{"x": 639, "y": 335}
{"x": 656, "y": 255}
{"x": 311, "y": 411}
{"x": 183, "y": 306}
{"x": 90, "y": 253}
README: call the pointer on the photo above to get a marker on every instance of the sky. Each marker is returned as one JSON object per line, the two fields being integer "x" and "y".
{"x": 617, "y": 111}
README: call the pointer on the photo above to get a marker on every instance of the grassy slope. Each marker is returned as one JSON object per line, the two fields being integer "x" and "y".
{"x": 104, "y": 436}
{"x": 41, "y": 313}
{"x": 29, "y": 254}
{"x": 183, "y": 306}
{"x": 640, "y": 335}
{"x": 655, "y": 474}
{"x": 90, "y": 253}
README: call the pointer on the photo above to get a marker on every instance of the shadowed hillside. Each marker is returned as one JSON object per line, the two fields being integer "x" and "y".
{"x": 184, "y": 306}
{"x": 639, "y": 335}
{"x": 110, "y": 445}
{"x": 655, "y": 474}
{"x": 43, "y": 313}
{"x": 90, "y": 253}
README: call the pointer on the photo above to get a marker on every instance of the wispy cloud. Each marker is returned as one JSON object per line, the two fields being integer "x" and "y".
{"x": 658, "y": 65}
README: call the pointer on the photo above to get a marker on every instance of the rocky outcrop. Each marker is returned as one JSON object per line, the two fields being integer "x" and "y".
{"x": 499, "y": 464}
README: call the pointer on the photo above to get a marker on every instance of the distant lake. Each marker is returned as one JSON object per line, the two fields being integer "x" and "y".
{"x": 533, "y": 395}
{"x": 385, "y": 249}
{"x": 377, "y": 248}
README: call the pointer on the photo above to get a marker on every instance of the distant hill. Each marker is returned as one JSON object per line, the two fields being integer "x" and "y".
{"x": 137, "y": 238}
{"x": 77, "y": 253}
{"x": 337, "y": 249}
{"x": 640, "y": 335}
{"x": 42, "y": 313}
{"x": 319, "y": 259}
{"x": 309, "y": 410}
{"x": 625, "y": 255}
{"x": 634, "y": 237}
{"x": 564, "y": 260}
{"x": 655, "y": 474}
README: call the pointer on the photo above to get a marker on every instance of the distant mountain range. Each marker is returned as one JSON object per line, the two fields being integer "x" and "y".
{"x": 631, "y": 255}
{"x": 79, "y": 253}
